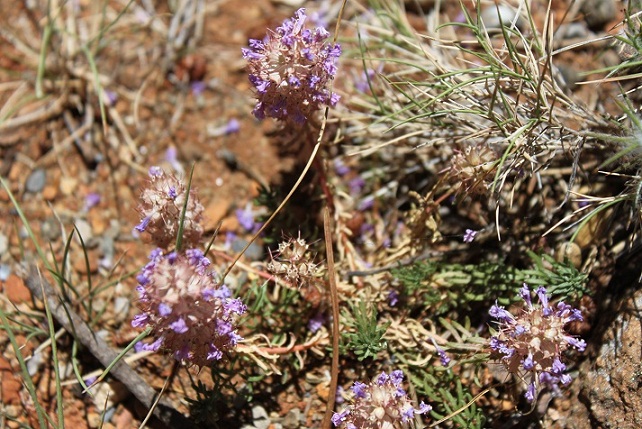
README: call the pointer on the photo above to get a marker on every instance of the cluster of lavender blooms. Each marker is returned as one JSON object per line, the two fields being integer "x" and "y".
{"x": 382, "y": 403}
{"x": 161, "y": 204}
{"x": 190, "y": 314}
{"x": 291, "y": 69}
{"x": 532, "y": 343}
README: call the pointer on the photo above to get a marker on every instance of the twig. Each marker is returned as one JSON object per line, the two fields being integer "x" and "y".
{"x": 43, "y": 113}
{"x": 73, "y": 323}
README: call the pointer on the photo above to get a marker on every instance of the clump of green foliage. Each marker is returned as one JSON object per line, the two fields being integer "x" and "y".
{"x": 364, "y": 336}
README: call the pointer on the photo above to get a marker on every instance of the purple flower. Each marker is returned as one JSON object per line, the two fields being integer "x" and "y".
{"x": 380, "y": 403}
{"x": 164, "y": 310}
{"x": 231, "y": 127}
{"x": 338, "y": 418}
{"x": 291, "y": 71}
{"x": 340, "y": 167}
{"x": 525, "y": 293}
{"x": 245, "y": 217}
{"x": 423, "y": 408}
{"x": 179, "y": 326}
{"x": 532, "y": 344}
{"x": 198, "y": 88}
{"x": 531, "y": 392}
{"x": 140, "y": 320}
{"x": 382, "y": 379}
{"x": 528, "y": 362}
{"x": 316, "y": 323}
{"x": 396, "y": 377}
{"x": 393, "y": 297}
{"x": 143, "y": 224}
{"x": 91, "y": 200}
{"x": 359, "y": 389}
{"x": 189, "y": 314}
{"x": 500, "y": 313}
{"x": 171, "y": 156}
{"x": 469, "y": 236}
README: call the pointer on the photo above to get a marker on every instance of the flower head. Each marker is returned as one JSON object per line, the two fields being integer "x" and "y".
{"x": 161, "y": 205}
{"x": 191, "y": 315}
{"x": 293, "y": 263}
{"x": 290, "y": 70}
{"x": 532, "y": 343}
{"x": 382, "y": 403}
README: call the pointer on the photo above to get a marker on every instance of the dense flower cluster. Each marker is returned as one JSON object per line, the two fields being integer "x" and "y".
{"x": 191, "y": 315}
{"x": 291, "y": 69}
{"x": 161, "y": 204}
{"x": 382, "y": 403}
{"x": 532, "y": 344}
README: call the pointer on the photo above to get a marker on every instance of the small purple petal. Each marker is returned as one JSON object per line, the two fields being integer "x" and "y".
{"x": 359, "y": 389}
{"x": 179, "y": 326}
{"x": 140, "y": 320}
{"x": 469, "y": 236}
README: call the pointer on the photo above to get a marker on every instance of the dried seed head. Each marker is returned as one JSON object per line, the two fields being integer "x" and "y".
{"x": 472, "y": 169}
{"x": 293, "y": 263}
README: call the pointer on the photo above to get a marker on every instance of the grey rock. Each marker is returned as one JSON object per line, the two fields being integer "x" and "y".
{"x": 598, "y": 13}
{"x": 573, "y": 30}
{"x": 569, "y": 76}
{"x": 50, "y": 229}
{"x": 36, "y": 181}
{"x": 609, "y": 382}
{"x": 253, "y": 253}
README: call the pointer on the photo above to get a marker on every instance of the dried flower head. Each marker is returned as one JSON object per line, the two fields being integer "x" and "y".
{"x": 291, "y": 69}
{"x": 191, "y": 315}
{"x": 532, "y": 344}
{"x": 472, "y": 169}
{"x": 161, "y": 204}
{"x": 293, "y": 263}
{"x": 382, "y": 403}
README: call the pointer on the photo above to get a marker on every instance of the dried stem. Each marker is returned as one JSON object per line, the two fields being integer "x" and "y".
{"x": 334, "y": 297}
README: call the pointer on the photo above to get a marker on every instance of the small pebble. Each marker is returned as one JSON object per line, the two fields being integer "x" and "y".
{"x": 5, "y": 271}
{"x": 260, "y": 417}
{"x": 36, "y": 181}
{"x": 121, "y": 308}
{"x": 84, "y": 230}
{"x": 4, "y": 244}
{"x": 292, "y": 419}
